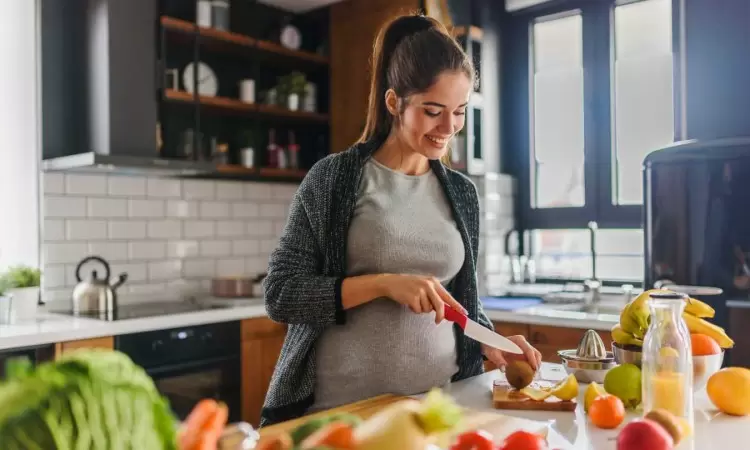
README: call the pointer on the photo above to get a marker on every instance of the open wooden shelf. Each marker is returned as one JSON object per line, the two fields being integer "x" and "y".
{"x": 241, "y": 40}
{"x": 230, "y": 105}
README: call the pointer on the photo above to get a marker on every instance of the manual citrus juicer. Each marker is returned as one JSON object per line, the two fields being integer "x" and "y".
{"x": 590, "y": 361}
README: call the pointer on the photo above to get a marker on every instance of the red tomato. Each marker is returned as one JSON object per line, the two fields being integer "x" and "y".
{"x": 523, "y": 440}
{"x": 474, "y": 440}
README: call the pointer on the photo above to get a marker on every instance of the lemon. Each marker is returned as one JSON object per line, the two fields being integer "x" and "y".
{"x": 594, "y": 390}
{"x": 567, "y": 389}
{"x": 535, "y": 394}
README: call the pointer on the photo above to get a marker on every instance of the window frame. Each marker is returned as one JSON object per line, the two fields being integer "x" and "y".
{"x": 598, "y": 76}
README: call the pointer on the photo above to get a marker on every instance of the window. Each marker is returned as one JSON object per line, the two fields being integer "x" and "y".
{"x": 19, "y": 201}
{"x": 590, "y": 85}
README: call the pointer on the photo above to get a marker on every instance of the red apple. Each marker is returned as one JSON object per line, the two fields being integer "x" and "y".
{"x": 644, "y": 434}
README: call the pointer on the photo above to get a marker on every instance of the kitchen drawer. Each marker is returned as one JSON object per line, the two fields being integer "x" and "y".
{"x": 261, "y": 327}
{"x": 101, "y": 342}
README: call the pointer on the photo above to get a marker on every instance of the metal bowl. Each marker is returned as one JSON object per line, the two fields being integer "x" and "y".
{"x": 627, "y": 355}
{"x": 586, "y": 370}
{"x": 704, "y": 367}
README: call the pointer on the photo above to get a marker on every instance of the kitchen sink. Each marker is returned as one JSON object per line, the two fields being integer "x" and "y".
{"x": 610, "y": 308}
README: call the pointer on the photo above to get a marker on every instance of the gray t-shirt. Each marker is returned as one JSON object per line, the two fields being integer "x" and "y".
{"x": 401, "y": 224}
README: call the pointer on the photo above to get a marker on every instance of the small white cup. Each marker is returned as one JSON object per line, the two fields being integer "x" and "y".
{"x": 247, "y": 91}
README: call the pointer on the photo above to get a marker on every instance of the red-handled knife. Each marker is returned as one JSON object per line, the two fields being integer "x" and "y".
{"x": 480, "y": 333}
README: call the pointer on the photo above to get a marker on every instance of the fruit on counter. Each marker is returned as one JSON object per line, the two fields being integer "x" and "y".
{"x": 635, "y": 316}
{"x": 592, "y": 391}
{"x": 300, "y": 433}
{"x": 566, "y": 389}
{"x": 203, "y": 427}
{"x": 699, "y": 326}
{"x": 623, "y": 338}
{"x": 699, "y": 309}
{"x": 523, "y": 440}
{"x": 474, "y": 440}
{"x": 669, "y": 422}
{"x": 87, "y": 398}
{"x": 281, "y": 441}
{"x": 338, "y": 435}
{"x": 703, "y": 345}
{"x": 624, "y": 381}
{"x": 729, "y": 390}
{"x": 644, "y": 434}
{"x": 408, "y": 424}
{"x": 519, "y": 374}
{"x": 538, "y": 395}
{"x": 607, "y": 411}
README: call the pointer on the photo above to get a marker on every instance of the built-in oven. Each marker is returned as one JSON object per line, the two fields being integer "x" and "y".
{"x": 191, "y": 363}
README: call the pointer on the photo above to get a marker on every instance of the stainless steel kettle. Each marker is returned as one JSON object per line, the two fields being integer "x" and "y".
{"x": 96, "y": 295}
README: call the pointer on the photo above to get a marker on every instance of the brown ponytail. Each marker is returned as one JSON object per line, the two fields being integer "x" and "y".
{"x": 410, "y": 52}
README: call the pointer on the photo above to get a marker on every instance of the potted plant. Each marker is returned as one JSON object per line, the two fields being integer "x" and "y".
{"x": 23, "y": 285}
{"x": 292, "y": 87}
{"x": 5, "y": 301}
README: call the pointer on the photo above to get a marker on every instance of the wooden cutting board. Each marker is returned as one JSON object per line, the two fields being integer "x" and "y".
{"x": 498, "y": 425}
{"x": 506, "y": 397}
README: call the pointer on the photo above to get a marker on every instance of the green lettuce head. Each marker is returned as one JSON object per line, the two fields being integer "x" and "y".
{"x": 89, "y": 398}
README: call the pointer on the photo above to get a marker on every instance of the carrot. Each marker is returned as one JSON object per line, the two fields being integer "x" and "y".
{"x": 211, "y": 431}
{"x": 339, "y": 435}
{"x": 191, "y": 427}
{"x": 280, "y": 442}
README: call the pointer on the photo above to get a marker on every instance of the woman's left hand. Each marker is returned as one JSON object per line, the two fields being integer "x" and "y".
{"x": 501, "y": 358}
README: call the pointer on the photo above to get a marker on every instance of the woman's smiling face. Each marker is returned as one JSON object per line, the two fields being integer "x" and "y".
{"x": 431, "y": 118}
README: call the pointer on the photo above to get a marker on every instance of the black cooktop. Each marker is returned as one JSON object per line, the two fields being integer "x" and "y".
{"x": 140, "y": 310}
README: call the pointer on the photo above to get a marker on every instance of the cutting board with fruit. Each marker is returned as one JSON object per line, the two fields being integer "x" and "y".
{"x": 520, "y": 390}
{"x": 390, "y": 421}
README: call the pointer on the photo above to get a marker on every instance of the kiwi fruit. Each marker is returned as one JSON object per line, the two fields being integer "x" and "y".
{"x": 519, "y": 374}
{"x": 667, "y": 421}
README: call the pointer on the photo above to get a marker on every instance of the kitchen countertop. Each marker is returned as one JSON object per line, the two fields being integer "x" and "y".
{"x": 571, "y": 430}
{"x": 48, "y": 328}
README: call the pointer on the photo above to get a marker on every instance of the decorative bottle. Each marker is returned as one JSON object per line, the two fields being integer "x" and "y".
{"x": 667, "y": 361}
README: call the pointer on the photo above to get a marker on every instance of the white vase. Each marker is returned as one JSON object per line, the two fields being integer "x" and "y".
{"x": 292, "y": 102}
{"x": 25, "y": 302}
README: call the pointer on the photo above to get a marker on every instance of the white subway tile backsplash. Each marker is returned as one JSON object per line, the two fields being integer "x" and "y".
{"x": 214, "y": 210}
{"x": 165, "y": 234}
{"x": 85, "y": 230}
{"x": 140, "y": 250}
{"x": 274, "y": 210}
{"x": 215, "y": 248}
{"x": 199, "y": 229}
{"x": 127, "y": 186}
{"x": 230, "y": 190}
{"x": 165, "y": 229}
{"x": 182, "y": 249}
{"x": 230, "y": 267}
{"x": 109, "y": 250}
{"x": 163, "y": 188}
{"x": 127, "y": 229}
{"x": 146, "y": 208}
{"x": 199, "y": 268}
{"x": 54, "y": 230}
{"x": 60, "y": 206}
{"x": 165, "y": 270}
{"x": 107, "y": 207}
{"x": 245, "y": 209}
{"x": 53, "y": 183}
{"x": 182, "y": 209}
{"x": 198, "y": 189}
{"x": 257, "y": 191}
{"x": 229, "y": 228}
{"x": 77, "y": 184}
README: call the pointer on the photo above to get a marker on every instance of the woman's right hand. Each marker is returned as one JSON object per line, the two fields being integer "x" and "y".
{"x": 420, "y": 293}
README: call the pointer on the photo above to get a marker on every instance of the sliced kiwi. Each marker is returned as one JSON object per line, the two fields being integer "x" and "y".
{"x": 519, "y": 374}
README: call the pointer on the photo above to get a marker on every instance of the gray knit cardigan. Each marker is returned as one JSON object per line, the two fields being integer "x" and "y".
{"x": 305, "y": 272}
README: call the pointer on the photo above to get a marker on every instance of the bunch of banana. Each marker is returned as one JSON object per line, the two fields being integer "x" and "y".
{"x": 636, "y": 317}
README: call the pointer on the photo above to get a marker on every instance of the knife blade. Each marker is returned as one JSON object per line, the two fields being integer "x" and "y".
{"x": 479, "y": 333}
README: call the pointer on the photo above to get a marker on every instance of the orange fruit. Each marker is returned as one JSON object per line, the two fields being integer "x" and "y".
{"x": 607, "y": 411}
{"x": 729, "y": 390}
{"x": 704, "y": 344}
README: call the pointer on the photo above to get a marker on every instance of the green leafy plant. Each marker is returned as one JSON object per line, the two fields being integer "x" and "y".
{"x": 4, "y": 285}
{"x": 23, "y": 277}
{"x": 292, "y": 83}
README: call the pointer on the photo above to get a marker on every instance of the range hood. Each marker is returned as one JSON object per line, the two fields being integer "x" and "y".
{"x": 101, "y": 89}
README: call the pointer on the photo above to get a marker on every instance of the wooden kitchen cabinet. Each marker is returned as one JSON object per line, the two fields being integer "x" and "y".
{"x": 262, "y": 339}
{"x": 354, "y": 25}
{"x": 100, "y": 342}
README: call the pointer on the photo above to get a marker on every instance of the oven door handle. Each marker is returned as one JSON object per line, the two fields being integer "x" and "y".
{"x": 188, "y": 366}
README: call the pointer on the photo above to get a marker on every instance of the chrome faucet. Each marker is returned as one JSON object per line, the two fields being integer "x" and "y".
{"x": 513, "y": 259}
{"x": 592, "y": 286}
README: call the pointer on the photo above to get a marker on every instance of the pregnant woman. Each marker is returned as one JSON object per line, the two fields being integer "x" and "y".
{"x": 378, "y": 238}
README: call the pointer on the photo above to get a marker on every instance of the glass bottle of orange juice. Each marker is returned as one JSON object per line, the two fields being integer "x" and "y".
{"x": 667, "y": 361}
